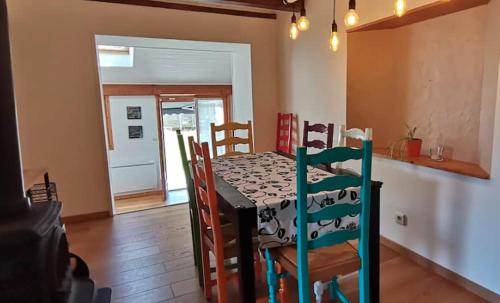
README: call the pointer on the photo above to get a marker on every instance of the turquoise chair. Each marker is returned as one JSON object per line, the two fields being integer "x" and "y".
{"x": 193, "y": 209}
{"x": 327, "y": 257}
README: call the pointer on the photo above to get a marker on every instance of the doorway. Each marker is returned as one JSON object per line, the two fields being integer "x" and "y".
{"x": 212, "y": 79}
{"x": 192, "y": 116}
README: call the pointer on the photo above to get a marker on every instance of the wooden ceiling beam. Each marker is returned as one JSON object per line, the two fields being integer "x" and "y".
{"x": 202, "y": 6}
{"x": 268, "y": 4}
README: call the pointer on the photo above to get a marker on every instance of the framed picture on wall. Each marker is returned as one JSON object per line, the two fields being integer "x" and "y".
{"x": 135, "y": 132}
{"x": 134, "y": 113}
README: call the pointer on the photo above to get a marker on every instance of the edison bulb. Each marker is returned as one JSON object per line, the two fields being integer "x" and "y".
{"x": 303, "y": 23}
{"x": 334, "y": 41}
{"x": 400, "y": 7}
{"x": 351, "y": 18}
{"x": 294, "y": 31}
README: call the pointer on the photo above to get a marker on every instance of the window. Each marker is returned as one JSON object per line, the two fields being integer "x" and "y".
{"x": 115, "y": 56}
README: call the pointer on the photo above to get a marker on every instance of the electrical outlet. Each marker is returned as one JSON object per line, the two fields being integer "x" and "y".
{"x": 401, "y": 218}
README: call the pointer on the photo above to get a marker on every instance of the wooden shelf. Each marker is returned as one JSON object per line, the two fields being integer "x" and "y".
{"x": 419, "y": 14}
{"x": 449, "y": 165}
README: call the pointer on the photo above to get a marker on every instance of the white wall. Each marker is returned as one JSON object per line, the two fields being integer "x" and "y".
{"x": 134, "y": 164}
{"x": 453, "y": 220}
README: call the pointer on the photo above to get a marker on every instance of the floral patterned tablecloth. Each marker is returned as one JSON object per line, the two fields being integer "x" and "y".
{"x": 269, "y": 181}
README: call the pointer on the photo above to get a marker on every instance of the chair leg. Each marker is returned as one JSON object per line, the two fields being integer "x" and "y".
{"x": 336, "y": 293}
{"x": 206, "y": 271}
{"x": 331, "y": 288}
{"x": 193, "y": 237}
{"x": 271, "y": 277}
{"x": 283, "y": 285}
{"x": 258, "y": 266}
{"x": 220, "y": 273}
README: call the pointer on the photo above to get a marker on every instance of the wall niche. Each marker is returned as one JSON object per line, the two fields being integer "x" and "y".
{"x": 426, "y": 74}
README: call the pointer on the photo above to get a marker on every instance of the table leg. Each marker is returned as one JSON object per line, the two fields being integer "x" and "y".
{"x": 245, "y": 254}
{"x": 374, "y": 243}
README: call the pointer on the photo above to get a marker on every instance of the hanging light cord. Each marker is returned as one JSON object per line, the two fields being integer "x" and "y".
{"x": 334, "y": 2}
{"x": 334, "y": 23}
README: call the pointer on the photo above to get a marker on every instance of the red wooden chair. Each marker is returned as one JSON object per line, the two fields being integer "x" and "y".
{"x": 284, "y": 133}
{"x": 215, "y": 237}
{"x": 318, "y": 128}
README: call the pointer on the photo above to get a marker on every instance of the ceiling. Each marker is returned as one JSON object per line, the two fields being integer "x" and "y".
{"x": 172, "y": 66}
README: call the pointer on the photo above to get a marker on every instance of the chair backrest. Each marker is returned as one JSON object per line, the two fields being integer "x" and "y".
{"x": 284, "y": 133}
{"x": 353, "y": 133}
{"x": 193, "y": 208}
{"x": 361, "y": 232}
{"x": 318, "y": 128}
{"x": 206, "y": 195}
{"x": 185, "y": 168}
{"x": 230, "y": 139}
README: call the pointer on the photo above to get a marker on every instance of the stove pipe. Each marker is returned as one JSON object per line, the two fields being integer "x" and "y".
{"x": 12, "y": 198}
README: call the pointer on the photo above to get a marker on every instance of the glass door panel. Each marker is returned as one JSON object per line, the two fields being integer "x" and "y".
{"x": 177, "y": 116}
{"x": 210, "y": 111}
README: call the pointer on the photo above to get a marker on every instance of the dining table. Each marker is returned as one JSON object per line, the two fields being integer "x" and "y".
{"x": 257, "y": 193}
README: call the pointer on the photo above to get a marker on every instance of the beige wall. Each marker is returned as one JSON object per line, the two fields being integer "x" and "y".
{"x": 490, "y": 78}
{"x": 427, "y": 74}
{"x": 56, "y": 81}
{"x": 448, "y": 214}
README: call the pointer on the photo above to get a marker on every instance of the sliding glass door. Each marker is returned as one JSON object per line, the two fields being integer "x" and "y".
{"x": 192, "y": 118}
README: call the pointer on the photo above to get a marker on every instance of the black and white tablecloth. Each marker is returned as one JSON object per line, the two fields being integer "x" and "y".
{"x": 269, "y": 181}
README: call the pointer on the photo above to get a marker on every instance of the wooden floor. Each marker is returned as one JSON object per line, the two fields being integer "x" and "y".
{"x": 147, "y": 256}
{"x": 150, "y": 201}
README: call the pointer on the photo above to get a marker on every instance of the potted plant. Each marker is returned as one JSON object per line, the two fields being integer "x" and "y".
{"x": 413, "y": 144}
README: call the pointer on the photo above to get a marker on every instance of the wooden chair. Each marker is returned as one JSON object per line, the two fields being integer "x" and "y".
{"x": 326, "y": 257}
{"x": 215, "y": 237}
{"x": 318, "y": 128}
{"x": 284, "y": 133}
{"x": 354, "y": 133}
{"x": 193, "y": 209}
{"x": 230, "y": 140}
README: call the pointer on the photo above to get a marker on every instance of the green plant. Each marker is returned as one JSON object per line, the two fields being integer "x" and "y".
{"x": 401, "y": 144}
{"x": 410, "y": 135}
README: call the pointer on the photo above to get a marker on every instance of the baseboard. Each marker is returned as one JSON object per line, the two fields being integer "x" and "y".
{"x": 86, "y": 217}
{"x": 139, "y": 195}
{"x": 473, "y": 287}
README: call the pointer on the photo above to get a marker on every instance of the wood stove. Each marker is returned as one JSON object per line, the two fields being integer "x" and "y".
{"x": 34, "y": 255}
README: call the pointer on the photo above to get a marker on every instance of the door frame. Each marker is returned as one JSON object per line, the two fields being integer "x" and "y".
{"x": 161, "y": 92}
{"x": 226, "y": 101}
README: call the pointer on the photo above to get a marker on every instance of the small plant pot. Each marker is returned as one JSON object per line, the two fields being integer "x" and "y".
{"x": 413, "y": 148}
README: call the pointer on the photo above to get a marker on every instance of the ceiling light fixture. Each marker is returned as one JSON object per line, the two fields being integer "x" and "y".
{"x": 334, "y": 38}
{"x": 304, "y": 23}
{"x": 294, "y": 29}
{"x": 352, "y": 17}
{"x": 400, "y": 7}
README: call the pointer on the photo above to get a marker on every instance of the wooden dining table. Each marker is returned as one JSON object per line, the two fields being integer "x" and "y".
{"x": 242, "y": 213}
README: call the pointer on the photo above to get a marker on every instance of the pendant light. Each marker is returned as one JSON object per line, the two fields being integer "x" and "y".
{"x": 294, "y": 29}
{"x": 352, "y": 18}
{"x": 400, "y": 7}
{"x": 303, "y": 23}
{"x": 334, "y": 38}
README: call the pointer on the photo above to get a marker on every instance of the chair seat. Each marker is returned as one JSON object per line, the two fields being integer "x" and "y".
{"x": 229, "y": 234}
{"x": 324, "y": 263}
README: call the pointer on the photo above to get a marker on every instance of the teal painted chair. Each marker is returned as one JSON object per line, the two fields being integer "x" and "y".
{"x": 331, "y": 255}
{"x": 193, "y": 209}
